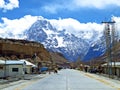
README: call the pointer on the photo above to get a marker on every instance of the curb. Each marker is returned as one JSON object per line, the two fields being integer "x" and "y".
{"x": 7, "y": 83}
{"x": 107, "y": 81}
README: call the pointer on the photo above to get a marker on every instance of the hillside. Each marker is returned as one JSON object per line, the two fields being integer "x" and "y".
{"x": 57, "y": 57}
{"x": 102, "y": 59}
{"x": 15, "y": 49}
{"x": 23, "y": 49}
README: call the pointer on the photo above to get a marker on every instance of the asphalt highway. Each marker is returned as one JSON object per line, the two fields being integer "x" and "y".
{"x": 67, "y": 79}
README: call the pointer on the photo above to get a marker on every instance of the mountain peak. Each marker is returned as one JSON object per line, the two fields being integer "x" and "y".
{"x": 73, "y": 45}
{"x": 69, "y": 45}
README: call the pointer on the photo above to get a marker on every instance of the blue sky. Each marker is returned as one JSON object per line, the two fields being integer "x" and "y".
{"x": 82, "y": 10}
{"x": 72, "y": 15}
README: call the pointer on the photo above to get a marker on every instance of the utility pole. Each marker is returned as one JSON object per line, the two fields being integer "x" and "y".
{"x": 5, "y": 66}
{"x": 114, "y": 44}
{"x": 35, "y": 61}
{"x": 109, "y": 34}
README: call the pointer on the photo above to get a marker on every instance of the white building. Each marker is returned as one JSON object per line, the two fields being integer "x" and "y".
{"x": 28, "y": 66}
{"x": 12, "y": 68}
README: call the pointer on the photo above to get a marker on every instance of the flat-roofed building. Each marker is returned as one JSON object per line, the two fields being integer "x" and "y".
{"x": 12, "y": 68}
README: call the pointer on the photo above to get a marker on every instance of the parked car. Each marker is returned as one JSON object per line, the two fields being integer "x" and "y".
{"x": 43, "y": 69}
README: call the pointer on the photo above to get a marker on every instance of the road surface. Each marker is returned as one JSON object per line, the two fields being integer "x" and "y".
{"x": 67, "y": 79}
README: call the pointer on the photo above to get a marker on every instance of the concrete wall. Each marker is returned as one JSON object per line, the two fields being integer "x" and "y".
{"x": 10, "y": 72}
{"x": 28, "y": 69}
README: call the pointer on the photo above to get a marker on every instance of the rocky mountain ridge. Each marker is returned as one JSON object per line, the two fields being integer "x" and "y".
{"x": 13, "y": 49}
{"x": 71, "y": 46}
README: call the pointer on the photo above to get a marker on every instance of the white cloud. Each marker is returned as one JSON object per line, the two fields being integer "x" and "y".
{"x": 54, "y": 7}
{"x": 16, "y": 26}
{"x": 75, "y": 27}
{"x": 117, "y": 20}
{"x": 9, "y": 5}
{"x": 96, "y": 3}
{"x": 85, "y": 30}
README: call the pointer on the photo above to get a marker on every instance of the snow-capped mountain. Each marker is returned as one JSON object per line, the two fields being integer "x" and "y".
{"x": 71, "y": 46}
{"x": 96, "y": 49}
{"x": 74, "y": 40}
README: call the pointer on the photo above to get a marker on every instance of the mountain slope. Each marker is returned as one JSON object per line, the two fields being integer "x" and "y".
{"x": 67, "y": 40}
{"x": 97, "y": 48}
{"x": 68, "y": 44}
{"x": 57, "y": 57}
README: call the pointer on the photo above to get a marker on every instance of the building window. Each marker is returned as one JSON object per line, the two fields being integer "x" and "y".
{"x": 1, "y": 67}
{"x": 15, "y": 69}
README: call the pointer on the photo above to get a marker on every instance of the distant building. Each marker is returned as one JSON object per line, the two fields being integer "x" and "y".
{"x": 115, "y": 68}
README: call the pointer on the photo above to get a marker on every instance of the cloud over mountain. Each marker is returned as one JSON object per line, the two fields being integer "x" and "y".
{"x": 75, "y": 27}
{"x": 18, "y": 26}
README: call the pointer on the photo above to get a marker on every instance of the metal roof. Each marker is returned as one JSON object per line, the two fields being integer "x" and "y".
{"x": 14, "y": 62}
{"x": 28, "y": 63}
{"x": 11, "y": 62}
{"x": 17, "y": 62}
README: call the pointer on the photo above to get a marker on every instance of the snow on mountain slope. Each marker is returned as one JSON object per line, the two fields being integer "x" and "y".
{"x": 67, "y": 36}
{"x": 70, "y": 45}
{"x": 96, "y": 49}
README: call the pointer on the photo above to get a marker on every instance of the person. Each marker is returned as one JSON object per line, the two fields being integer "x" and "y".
{"x": 55, "y": 70}
{"x": 86, "y": 68}
{"x": 49, "y": 70}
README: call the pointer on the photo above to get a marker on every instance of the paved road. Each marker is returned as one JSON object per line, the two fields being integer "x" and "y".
{"x": 67, "y": 79}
